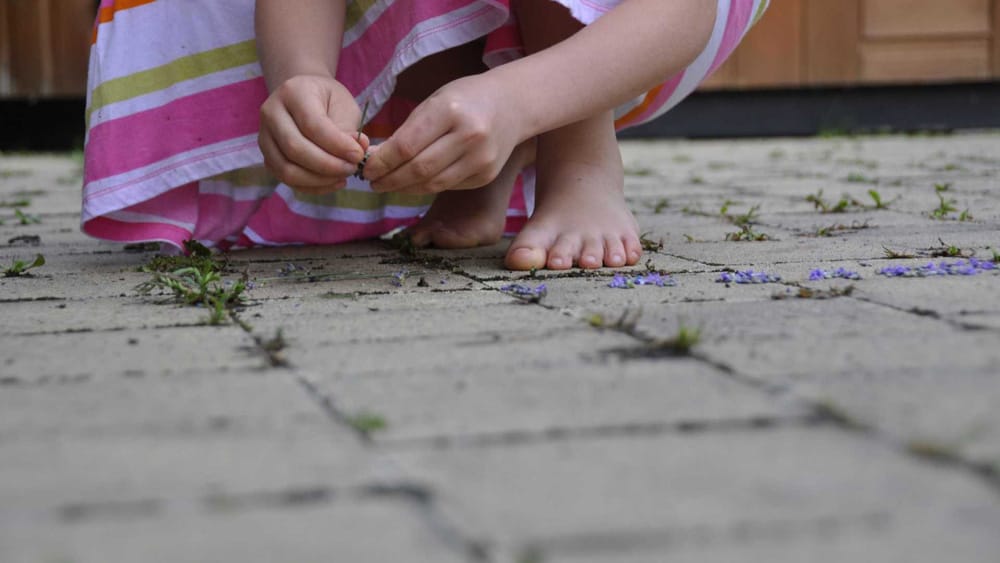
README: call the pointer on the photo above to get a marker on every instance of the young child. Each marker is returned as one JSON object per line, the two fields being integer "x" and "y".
{"x": 467, "y": 95}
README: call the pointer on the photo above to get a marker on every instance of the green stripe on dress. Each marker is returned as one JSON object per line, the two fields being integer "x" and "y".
{"x": 179, "y": 70}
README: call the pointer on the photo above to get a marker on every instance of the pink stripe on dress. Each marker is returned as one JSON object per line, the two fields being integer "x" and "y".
{"x": 114, "y": 147}
{"x": 122, "y": 231}
{"x": 738, "y": 18}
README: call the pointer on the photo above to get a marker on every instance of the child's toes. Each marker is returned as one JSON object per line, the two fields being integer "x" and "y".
{"x": 592, "y": 255}
{"x": 633, "y": 249}
{"x": 561, "y": 253}
{"x": 614, "y": 252}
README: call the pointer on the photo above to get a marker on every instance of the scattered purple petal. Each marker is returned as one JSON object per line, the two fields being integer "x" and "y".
{"x": 526, "y": 292}
{"x": 620, "y": 281}
{"x": 969, "y": 267}
{"x": 747, "y": 277}
{"x": 399, "y": 277}
{"x": 842, "y": 273}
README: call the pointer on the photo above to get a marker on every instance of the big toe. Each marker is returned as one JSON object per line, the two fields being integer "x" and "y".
{"x": 525, "y": 258}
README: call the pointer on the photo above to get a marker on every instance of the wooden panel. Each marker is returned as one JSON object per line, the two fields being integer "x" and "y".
{"x": 996, "y": 39}
{"x": 923, "y": 18}
{"x": 27, "y": 32}
{"x": 832, "y": 33}
{"x": 771, "y": 53}
{"x": 908, "y": 61}
{"x": 71, "y": 31}
{"x": 5, "y": 71}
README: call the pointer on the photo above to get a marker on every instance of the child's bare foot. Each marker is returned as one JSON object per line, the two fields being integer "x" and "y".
{"x": 580, "y": 212}
{"x": 470, "y": 218}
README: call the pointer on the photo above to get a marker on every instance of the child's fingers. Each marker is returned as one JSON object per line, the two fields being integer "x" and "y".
{"x": 296, "y": 148}
{"x": 413, "y": 137}
{"x": 291, "y": 173}
{"x": 311, "y": 119}
{"x": 421, "y": 170}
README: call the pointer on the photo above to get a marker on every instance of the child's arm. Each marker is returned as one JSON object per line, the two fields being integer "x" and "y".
{"x": 448, "y": 140}
{"x": 309, "y": 122}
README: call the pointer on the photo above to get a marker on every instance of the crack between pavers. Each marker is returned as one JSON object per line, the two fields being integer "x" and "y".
{"x": 928, "y": 313}
{"x": 741, "y": 532}
{"x": 577, "y": 433}
{"x": 423, "y": 498}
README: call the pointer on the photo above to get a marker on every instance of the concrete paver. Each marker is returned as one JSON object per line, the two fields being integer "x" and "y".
{"x": 433, "y": 418}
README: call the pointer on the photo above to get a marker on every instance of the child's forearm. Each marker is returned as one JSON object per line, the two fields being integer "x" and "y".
{"x": 624, "y": 53}
{"x": 296, "y": 37}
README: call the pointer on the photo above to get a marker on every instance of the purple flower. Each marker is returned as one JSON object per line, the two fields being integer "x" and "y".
{"x": 525, "y": 292}
{"x": 399, "y": 277}
{"x": 620, "y": 281}
{"x": 818, "y": 274}
{"x": 747, "y": 276}
{"x": 968, "y": 267}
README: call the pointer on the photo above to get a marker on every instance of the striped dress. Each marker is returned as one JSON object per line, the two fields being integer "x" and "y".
{"x": 173, "y": 108}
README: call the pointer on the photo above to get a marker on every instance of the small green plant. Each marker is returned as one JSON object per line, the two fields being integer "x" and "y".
{"x": 965, "y": 216}
{"x": 832, "y": 230}
{"x": 858, "y": 178}
{"x": 948, "y": 251}
{"x": 20, "y": 267}
{"x": 659, "y": 205}
{"x": 367, "y": 422}
{"x": 193, "y": 286}
{"x": 945, "y": 206}
{"x": 680, "y": 343}
{"x": 650, "y": 245}
{"x": 996, "y": 257}
{"x": 696, "y": 180}
{"x": 25, "y": 219}
{"x": 824, "y": 206}
{"x": 877, "y": 198}
{"x": 896, "y": 254}
{"x": 746, "y": 233}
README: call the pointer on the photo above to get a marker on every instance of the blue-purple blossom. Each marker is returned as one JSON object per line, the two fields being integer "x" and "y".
{"x": 842, "y": 273}
{"x": 399, "y": 277}
{"x": 525, "y": 291}
{"x": 747, "y": 276}
{"x": 620, "y": 281}
{"x": 969, "y": 267}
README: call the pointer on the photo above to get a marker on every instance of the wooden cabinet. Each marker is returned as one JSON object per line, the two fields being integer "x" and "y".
{"x": 848, "y": 42}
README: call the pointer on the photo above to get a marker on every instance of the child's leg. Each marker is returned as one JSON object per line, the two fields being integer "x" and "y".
{"x": 461, "y": 218}
{"x": 580, "y": 212}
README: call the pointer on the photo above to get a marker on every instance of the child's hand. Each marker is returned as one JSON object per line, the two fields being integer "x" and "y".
{"x": 457, "y": 139}
{"x": 308, "y": 134}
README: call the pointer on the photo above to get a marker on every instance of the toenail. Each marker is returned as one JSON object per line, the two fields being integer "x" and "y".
{"x": 617, "y": 258}
{"x": 557, "y": 261}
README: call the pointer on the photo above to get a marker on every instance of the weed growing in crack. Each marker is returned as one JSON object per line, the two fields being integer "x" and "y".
{"x": 847, "y": 203}
{"x": 15, "y": 203}
{"x": 813, "y": 293}
{"x": 947, "y": 251}
{"x": 367, "y": 422}
{"x": 946, "y": 206}
{"x": 193, "y": 286}
{"x": 650, "y": 245}
{"x": 747, "y": 234}
{"x": 273, "y": 348}
{"x": 832, "y": 230}
{"x": 681, "y": 343}
{"x": 659, "y": 205}
{"x": 896, "y": 254}
{"x": 858, "y": 178}
{"x": 25, "y": 219}
{"x": 20, "y": 268}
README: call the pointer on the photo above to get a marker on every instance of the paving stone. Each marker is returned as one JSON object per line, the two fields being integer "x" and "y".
{"x": 341, "y": 530}
{"x": 592, "y": 396}
{"x": 124, "y": 439}
{"x": 778, "y": 488}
